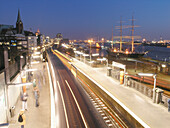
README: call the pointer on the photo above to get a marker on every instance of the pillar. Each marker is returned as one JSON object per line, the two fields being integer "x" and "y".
{"x": 6, "y": 63}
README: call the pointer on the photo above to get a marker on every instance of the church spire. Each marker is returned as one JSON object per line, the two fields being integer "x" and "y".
{"x": 19, "y": 17}
{"x": 19, "y": 24}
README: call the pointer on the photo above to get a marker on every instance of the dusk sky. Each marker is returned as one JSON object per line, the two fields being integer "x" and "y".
{"x": 83, "y": 19}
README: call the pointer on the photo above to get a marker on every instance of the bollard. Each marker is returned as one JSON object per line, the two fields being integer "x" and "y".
{"x": 154, "y": 95}
{"x": 121, "y": 77}
{"x": 169, "y": 105}
{"x": 128, "y": 82}
{"x": 109, "y": 71}
{"x": 159, "y": 95}
{"x": 12, "y": 110}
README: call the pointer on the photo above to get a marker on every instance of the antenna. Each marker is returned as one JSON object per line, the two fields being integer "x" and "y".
{"x": 120, "y": 34}
{"x": 132, "y": 34}
{"x": 132, "y": 37}
{"x": 112, "y": 36}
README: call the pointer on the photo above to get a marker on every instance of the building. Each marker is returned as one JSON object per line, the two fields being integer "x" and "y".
{"x": 58, "y": 39}
{"x": 59, "y": 35}
{"x": 2, "y": 26}
{"x": 40, "y": 38}
{"x": 16, "y": 37}
{"x": 19, "y": 24}
{"x": 31, "y": 40}
{"x": 17, "y": 40}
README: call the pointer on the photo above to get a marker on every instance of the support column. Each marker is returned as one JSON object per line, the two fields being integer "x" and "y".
{"x": 7, "y": 81}
{"x": 21, "y": 57}
{"x": 6, "y": 63}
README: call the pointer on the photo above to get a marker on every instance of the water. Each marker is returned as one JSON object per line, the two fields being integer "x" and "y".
{"x": 157, "y": 53}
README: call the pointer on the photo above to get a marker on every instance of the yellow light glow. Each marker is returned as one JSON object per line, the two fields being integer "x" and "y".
{"x": 126, "y": 52}
{"x": 90, "y": 41}
{"x": 163, "y": 65}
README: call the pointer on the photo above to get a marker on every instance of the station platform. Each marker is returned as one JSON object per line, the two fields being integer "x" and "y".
{"x": 36, "y": 117}
{"x": 154, "y": 115}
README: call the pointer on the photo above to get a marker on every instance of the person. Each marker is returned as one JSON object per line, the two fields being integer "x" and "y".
{"x": 24, "y": 101}
{"x": 34, "y": 83}
{"x": 169, "y": 105}
{"x": 21, "y": 118}
{"x": 36, "y": 94}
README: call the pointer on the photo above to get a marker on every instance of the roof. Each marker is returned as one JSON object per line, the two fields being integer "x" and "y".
{"x": 19, "y": 17}
{"x": 29, "y": 33}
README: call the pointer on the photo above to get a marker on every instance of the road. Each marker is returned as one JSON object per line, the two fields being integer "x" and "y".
{"x": 73, "y": 105}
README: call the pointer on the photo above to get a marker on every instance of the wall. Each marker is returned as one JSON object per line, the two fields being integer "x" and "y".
{"x": 3, "y": 117}
{"x": 14, "y": 91}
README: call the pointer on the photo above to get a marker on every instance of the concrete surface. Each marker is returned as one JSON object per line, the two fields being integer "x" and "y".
{"x": 154, "y": 115}
{"x": 36, "y": 117}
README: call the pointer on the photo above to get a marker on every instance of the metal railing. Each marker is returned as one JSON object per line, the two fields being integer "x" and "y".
{"x": 146, "y": 90}
{"x": 14, "y": 68}
{"x": 2, "y": 66}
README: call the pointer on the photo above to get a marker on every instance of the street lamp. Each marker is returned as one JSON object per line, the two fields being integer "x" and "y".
{"x": 85, "y": 56}
{"x": 90, "y": 41}
{"x": 154, "y": 87}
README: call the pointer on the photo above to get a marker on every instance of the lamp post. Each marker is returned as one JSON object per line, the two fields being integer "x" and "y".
{"x": 154, "y": 87}
{"x": 85, "y": 57}
{"x": 90, "y": 41}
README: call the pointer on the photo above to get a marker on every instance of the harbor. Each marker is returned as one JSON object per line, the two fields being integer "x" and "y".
{"x": 149, "y": 63}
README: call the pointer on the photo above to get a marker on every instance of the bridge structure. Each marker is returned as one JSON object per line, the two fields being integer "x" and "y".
{"x": 92, "y": 97}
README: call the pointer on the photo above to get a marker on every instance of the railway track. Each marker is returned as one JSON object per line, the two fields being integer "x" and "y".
{"x": 111, "y": 118}
{"x": 148, "y": 81}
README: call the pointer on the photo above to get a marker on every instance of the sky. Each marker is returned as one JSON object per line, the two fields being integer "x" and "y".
{"x": 84, "y": 19}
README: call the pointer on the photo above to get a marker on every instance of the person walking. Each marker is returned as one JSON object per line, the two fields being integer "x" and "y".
{"x": 169, "y": 105}
{"x": 24, "y": 101}
{"x": 21, "y": 118}
{"x": 36, "y": 94}
{"x": 34, "y": 83}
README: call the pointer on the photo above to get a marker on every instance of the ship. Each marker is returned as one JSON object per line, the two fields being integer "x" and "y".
{"x": 95, "y": 45}
{"x": 125, "y": 54}
{"x": 120, "y": 53}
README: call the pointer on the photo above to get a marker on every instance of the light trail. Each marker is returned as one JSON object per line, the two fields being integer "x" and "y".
{"x": 55, "y": 97}
{"x": 77, "y": 104}
{"x": 120, "y": 103}
{"x": 63, "y": 105}
{"x": 52, "y": 100}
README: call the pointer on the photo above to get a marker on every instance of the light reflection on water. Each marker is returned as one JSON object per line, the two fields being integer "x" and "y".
{"x": 157, "y": 53}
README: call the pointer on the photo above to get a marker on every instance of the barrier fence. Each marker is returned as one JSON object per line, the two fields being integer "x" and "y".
{"x": 148, "y": 91}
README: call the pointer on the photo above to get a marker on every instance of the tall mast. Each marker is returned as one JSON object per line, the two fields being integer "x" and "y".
{"x": 132, "y": 34}
{"x": 120, "y": 34}
{"x": 112, "y": 36}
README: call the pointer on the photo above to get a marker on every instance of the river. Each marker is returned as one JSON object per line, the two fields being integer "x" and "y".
{"x": 154, "y": 52}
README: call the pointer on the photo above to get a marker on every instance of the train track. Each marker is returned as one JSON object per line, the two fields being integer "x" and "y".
{"x": 149, "y": 81}
{"x": 111, "y": 118}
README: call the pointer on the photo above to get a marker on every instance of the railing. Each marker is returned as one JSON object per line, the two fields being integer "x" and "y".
{"x": 15, "y": 67}
{"x": 164, "y": 100}
{"x": 146, "y": 90}
{"x": 2, "y": 66}
{"x": 13, "y": 70}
